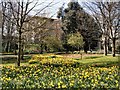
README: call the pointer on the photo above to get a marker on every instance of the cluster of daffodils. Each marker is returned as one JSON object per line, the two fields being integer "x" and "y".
{"x": 55, "y": 60}
{"x": 42, "y": 77}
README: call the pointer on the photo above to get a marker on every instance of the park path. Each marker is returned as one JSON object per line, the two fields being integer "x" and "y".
{"x": 79, "y": 55}
{"x": 4, "y": 56}
{"x": 84, "y": 55}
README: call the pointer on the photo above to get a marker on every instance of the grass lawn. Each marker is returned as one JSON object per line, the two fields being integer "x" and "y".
{"x": 100, "y": 60}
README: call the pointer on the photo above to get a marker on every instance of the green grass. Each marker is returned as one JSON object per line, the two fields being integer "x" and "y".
{"x": 99, "y": 60}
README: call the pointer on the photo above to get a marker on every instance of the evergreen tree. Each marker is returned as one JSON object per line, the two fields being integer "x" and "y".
{"x": 77, "y": 20}
{"x": 70, "y": 20}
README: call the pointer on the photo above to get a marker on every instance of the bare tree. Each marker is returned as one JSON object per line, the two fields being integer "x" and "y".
{"x": 107, "y": 15}
{"x": 20, "y": 14}
{"x": 7, "y": 27}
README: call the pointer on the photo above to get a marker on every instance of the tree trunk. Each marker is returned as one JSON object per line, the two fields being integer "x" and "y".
{"x": 85, "y": 49}
{"x": 3, "y": 16}
{"x": 89, "y": 47}
{"x": 41, "y": 49}
{"x": 7, "y": 40}
{"x": 113, "y": 47}
{"x": 2, "y": 28}
{"x": 0, "y": 44}
{"x": 19, "y": 48}
{"x": 6, "y": 47}
{"x": 9, "y": 47}
{"x": 99, "y": 45}
{"x": 22, "y": 53}
{"x": 105, "y": 46}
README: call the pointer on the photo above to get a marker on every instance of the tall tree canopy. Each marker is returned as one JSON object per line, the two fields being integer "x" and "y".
{"x": 70, "y": 20}
{"x": 75, "y": 19}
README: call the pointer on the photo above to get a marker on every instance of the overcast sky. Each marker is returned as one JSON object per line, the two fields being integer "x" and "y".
{"x": 54, "y": 7}
{"x": 58, "y": 3}
{"x": 49, "y": 11}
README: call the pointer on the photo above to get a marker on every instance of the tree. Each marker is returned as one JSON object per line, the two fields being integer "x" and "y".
{"x": 20, "y": 14}
{"x": 77, "y": 20}
{"x": 89, "y": 29}
{"x": 107, "y": 15}
{"x": 8, "y": 28}
{"x": 75, "y": 40}
{"x": 70, "y": 20}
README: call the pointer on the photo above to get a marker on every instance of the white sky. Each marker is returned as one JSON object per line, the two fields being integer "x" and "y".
{"x": 54, "y": 8}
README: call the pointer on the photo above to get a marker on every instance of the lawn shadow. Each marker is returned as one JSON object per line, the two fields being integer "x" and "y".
{"x": 93, "y": 57}
{"x": 9, "y": 60}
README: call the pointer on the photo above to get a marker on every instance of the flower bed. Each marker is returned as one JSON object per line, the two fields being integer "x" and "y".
{"x": 54, "y": 60}
{"x": 41, "y": 76}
